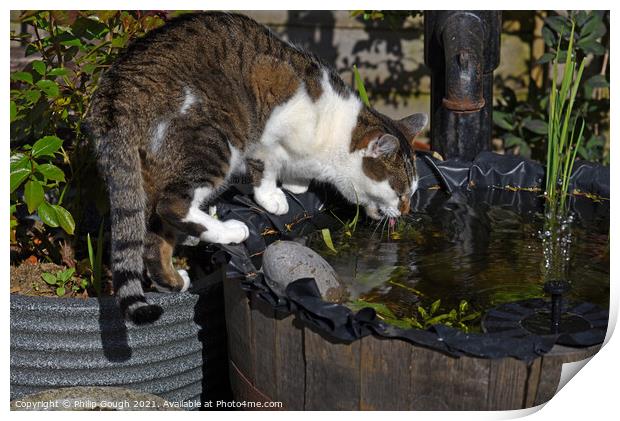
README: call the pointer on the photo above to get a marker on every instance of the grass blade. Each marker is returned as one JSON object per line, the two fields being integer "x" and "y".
{"x": 361, "y": 90}
{"x": 327, "y": 238}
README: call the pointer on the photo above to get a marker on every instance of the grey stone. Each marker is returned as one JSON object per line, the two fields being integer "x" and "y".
{"x": 287, "y": 261}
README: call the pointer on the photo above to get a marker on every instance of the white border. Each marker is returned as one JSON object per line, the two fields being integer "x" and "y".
{"x": 592, "y": 393}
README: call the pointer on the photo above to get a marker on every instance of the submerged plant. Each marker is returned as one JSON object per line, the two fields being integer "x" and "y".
{"x": 461, "y": 317}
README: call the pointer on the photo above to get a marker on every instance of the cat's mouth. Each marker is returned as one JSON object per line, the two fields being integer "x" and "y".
{"x": 381, "y": 212}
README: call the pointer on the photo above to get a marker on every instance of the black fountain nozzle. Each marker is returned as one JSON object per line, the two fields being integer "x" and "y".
{"x": 556, "y": 289}
{"x": 462, "y": 50}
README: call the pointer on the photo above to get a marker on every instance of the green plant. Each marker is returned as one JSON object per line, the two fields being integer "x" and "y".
{"x": 60, "y": 280}
{"x": 461, "y": 317}
{"x": 562, "y": 144}
{"x": 521, "y": 122}
{"x": 32, "y": 169}
{"x": 52, "y": 170}
{"x": 95, "y": 259}
{"x": 359, "y": 84}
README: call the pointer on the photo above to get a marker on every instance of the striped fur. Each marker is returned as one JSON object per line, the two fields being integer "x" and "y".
{"x": 211, "y": 95}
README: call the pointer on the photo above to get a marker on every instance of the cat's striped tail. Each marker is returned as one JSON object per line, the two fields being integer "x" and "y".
{"x": 119, "y": 163}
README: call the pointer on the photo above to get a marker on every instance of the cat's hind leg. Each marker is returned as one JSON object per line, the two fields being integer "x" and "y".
{"x": 158, "y": 248}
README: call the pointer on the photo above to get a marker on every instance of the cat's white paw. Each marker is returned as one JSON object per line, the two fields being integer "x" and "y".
{"x": 186, "y": 281}
{"x": 298, "y": 187}
{"x": 272, "y": 200}
{"x": 226, "y": 232}
{"x": 234, "y": 232}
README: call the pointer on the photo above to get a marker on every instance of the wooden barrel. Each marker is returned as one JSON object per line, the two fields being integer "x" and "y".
{"x": 284, "y": 361}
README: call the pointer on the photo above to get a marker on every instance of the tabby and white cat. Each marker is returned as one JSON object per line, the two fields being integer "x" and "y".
{"x": 213, "y": 94}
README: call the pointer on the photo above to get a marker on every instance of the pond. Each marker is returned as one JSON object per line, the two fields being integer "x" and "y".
{"x": 472, "y": 251}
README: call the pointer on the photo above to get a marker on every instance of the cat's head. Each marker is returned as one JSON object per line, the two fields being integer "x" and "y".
{"x": 387, "y": 178}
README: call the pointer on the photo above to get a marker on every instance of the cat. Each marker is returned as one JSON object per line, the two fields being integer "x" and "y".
{"x": 211, "y": 95}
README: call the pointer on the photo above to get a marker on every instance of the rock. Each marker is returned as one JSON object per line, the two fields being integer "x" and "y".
{"x": 287, "y": 261}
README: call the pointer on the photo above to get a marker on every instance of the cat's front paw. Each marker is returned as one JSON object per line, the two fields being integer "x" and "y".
{"x": 234, "y": 231}
{"x": 272, "y": 200}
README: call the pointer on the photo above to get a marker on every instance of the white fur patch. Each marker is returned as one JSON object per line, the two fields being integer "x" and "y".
{"x": 189, "y": 99}
{"x": 159, "y": 134}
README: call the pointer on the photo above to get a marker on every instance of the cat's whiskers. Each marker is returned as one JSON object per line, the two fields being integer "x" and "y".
{"x": 376, "y": 227}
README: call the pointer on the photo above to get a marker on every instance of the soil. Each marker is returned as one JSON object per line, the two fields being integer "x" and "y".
{"x": 26, "y": 280}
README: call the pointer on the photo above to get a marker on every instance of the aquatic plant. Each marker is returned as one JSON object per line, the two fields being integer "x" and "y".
{"x": 461, "y": 317}
{"x": 562, "y": 145}
{"x": 563, "y": 141}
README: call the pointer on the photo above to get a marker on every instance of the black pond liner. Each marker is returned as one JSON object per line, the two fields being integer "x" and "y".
{"x": 489, "y": 176}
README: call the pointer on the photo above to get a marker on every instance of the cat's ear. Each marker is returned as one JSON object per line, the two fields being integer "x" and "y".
{"x": 412, "y": 125}
{"x": 384, "y": 145}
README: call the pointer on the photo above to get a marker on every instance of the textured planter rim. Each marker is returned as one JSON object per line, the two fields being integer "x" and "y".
{"x": 66, "y": 342}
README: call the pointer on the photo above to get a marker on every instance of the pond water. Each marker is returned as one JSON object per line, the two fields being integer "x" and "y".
{"x": 484, "y": 248}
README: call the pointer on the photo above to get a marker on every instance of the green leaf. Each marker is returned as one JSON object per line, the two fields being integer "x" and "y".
{"x": 593, "y": 29}
{"x": 545, "y": 58}
{"x": 510, "y": 141}
{"x": 48, "y": 214}
{"x": 590, "y": 46}
{"x": 536, "y": 126}
{"x": 463, "y": 306}
{"x": 19, "y": 160}
{"x": 402, "y": 324}
{"x": 559, "y": 24}
{"x": 89, "y": 68}
{"x": 22, "y": 77}
{"x": 435, "y": 306}
{"x": 18, "y": 176}
{"x": 65, "y": 220}
{"x": 49, "y": 87}
{"x": 597, "y": 81}
{"x": 60, "y": 291}
{"x": 49, "y": 278}
{"x": 327, "y": 239}
{"x": 74, "y": 42}
{"x": 47, "y": 145}
{"x": 51, "y": 172}
{"x": 470, "y": 317}
{"x": 414, "y": 323}
{"x": 361, "y": 89}
{"x": 61, "y": 71}
{"x": 39, "y": 67}
{"x": 422, "y": 312}
{"x": 13, "y": 111}
{"x": 33, "y": 195}
{"x": 380, "y": 309}
{"x": 503, "y": 120}
{"x": 66, "y": 274}
{"x": 33, "y": 95}
{"x": 435, "y": 320}
{"x": 548, "y": 37}
{"x": 91, "y": 254}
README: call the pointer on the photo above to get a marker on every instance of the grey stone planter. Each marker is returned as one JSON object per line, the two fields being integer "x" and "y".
{"x": 73, "y": 342}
